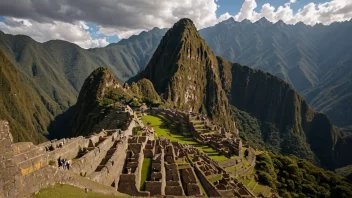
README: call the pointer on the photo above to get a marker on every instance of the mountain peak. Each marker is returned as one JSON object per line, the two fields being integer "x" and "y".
{"x": 263, "y": 21}
{"x": 184, "y": 25}
{"x": 184, "y": 71}
{"x": 184, "y": 21}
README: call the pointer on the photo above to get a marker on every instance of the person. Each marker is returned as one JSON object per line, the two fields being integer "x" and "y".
{"x": 68, "y": 164}
{"x": 59, "y": 162}
{"x": 64, "y": 163}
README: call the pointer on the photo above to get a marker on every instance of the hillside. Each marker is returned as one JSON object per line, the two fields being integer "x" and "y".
{"x": 22, "y": 105}
{"x": 315, "y": 60}
{"x": 293, "y": 177}
{"x": 295, "y": 127}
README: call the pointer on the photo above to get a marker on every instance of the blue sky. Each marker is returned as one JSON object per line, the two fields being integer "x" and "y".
{"x": 93, "y": 30}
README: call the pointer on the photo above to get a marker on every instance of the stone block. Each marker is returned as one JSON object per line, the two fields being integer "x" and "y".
{"x": 25, "y": 164}
{"x": 27, "y": 171}
{"x": 20, "y": 158}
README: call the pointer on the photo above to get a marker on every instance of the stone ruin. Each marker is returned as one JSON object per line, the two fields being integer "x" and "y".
{"x": 115, "y": 159}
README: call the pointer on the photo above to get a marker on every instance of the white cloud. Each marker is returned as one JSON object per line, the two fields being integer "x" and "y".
{"x": 43, "y": 32}
{"x": 66, "y": 20}
{"x": 120, "y": 17}
{"x": 145, "y": 15}
{"x": 311, "y": 14}
{"x": 247, "y": 11}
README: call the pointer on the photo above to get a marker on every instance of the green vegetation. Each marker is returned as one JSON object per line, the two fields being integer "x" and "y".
{"x": 146, "y": 172}
{"x": 294, "y": 177}
{"x": 169, "y": 129}
{"x": 27, "y": 109}
{"x": 213, "y": 178}
{"x": 137, "y": 131}
{"x": 68, "y": 191}
{"x": 265, "y": 136}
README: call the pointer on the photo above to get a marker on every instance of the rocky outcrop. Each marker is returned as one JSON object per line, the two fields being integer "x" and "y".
{"x": 93, "y": 91}
{"x": 144, "y": 90}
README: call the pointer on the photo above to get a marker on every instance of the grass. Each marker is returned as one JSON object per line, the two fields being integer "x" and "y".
{"x": 68, "y": 191}
{"x": 213, "y": 178}
{"x": 168, "y": 129}
{"x": 146, "y": 171}
{"x": 259, "y": 189}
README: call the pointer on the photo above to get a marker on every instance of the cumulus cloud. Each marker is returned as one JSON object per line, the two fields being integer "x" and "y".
{"x": 311, "y": 14}
{"x": 42, "y": 32}
{"x": 66, "y": 19}
{"x": 120, "y": 17}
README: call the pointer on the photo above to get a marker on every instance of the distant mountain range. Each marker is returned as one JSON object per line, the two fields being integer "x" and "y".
{"x": 316, "y": 60}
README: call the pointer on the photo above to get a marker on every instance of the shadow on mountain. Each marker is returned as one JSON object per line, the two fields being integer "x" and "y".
{"x": 59, "y": 127}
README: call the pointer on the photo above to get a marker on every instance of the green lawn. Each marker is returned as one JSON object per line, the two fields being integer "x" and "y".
{"x": 68, "y": 191}
{"x": 214, "y": 178}
{"x": 259, "y": 189}
{"x": 146, "y": 172}
{"x": 169, "y": 129}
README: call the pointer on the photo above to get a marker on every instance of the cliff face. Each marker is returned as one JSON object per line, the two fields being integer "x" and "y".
{"x": 185, "y": 73}
{"x": 303, "y": 131}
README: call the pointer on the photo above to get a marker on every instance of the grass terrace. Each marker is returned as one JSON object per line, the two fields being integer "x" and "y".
{"x": 213, "y": 178}
{"x": 146, "y": 171}
{"x": 169, "y": 130}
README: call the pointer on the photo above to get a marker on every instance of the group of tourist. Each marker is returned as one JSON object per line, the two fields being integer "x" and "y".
{"x": 65, "y": 164}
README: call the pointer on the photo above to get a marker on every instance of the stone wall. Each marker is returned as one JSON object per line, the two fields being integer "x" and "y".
{"x": 69, "y": 150}
{"x": 111, "y": 172}
{"x": 208, "y": 187}
{"x": 131, "y": 177}
{"x": 90, "y": 161}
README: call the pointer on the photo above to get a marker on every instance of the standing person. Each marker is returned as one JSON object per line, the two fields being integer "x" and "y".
{"x": 59, "y": 162}
{"x": 64, "y": 163}
{"x": 68, "y": 164}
